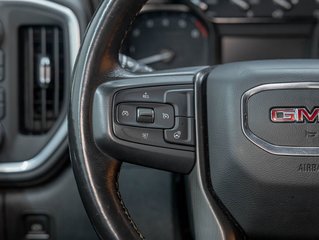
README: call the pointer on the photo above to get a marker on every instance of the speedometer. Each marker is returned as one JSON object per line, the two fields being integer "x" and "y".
{"x": 168, "y": 39}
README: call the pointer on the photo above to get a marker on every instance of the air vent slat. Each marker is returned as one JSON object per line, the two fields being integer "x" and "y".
{"x": 43, "y": 109}
{"x": 29, "y": 109}
{"x": 56, "y": 72}
{"x": 43, "y": 90}
{"x": 43, "y": 41}
{"x": 42, "y": 75}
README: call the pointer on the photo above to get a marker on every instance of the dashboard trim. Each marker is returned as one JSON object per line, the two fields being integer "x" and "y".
{"x": 60, "y": 136}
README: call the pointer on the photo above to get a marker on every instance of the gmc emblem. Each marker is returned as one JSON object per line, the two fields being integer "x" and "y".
{"x": 290, "y": 115}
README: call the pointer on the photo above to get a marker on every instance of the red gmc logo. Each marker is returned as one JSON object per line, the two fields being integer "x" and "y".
{"x": 290, "y": 115}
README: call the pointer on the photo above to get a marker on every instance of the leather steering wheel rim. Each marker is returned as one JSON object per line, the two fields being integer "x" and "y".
{"x": 98, "y": 59}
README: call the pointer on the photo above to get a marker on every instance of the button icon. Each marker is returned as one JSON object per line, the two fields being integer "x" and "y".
{"x": 125, "y": 113}
{"x": 145, "y": 136}
{"x": 165, "y": 115}
{"x": 36, "y": 227}
{"x": 177, "y": 135}
{"x": 183, "y": 132}
{"x": 145, "y": 95}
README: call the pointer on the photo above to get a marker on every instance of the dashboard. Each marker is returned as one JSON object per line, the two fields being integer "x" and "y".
{"x": 34, "y": 164}
{"x": 172, "y": 34}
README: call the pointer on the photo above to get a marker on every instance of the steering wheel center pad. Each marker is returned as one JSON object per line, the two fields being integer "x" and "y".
{"x": 259, "y": 165}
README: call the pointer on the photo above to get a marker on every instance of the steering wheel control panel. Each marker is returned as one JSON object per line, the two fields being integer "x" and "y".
{"x": 158, "y": 116}
{"x": 148, "y": 120}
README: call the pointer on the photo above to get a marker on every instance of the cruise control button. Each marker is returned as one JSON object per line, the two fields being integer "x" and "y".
{"x": 148, "y": 115}
{"x": 182, "y": 100}
{"x": 164, "y": 116}
{"x": 152, "y": 94}
{"x": 182, "y": 133}
{"x": 126, "y": 114}
{"x": 145, "y": 115}
{"x": 147, "y": 136}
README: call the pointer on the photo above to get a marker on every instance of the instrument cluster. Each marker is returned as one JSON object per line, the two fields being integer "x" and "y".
{"x": 182, "y": 33}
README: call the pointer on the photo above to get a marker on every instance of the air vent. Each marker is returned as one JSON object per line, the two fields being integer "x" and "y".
{"x": 42, "y": 74}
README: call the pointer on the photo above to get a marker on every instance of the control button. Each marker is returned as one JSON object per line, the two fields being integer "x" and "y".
{"x": 182, "y": 133}
{"x": 152, "y": 94}
{"x": 182, "y": 100}
{"x": 126, "y": 114}
{"x": 145, "y": 115}
{"x": 147, "y": 136}
{"x": 37, "y": 227}
{"x": 164, "y": 116}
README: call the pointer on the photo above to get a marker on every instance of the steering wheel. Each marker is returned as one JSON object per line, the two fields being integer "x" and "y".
{"x": 244, "y": 134}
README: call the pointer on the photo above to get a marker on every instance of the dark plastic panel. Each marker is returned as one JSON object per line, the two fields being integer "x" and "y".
{"x": 149, "y": 196}
{"x": 1, "y": 32}
{"x": 59, "y": 200}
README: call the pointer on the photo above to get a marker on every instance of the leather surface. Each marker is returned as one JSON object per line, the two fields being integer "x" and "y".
{"x": 96, "y": 173}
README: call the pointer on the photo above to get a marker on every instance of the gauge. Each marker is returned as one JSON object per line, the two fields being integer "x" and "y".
{"x": 168, "y": 39}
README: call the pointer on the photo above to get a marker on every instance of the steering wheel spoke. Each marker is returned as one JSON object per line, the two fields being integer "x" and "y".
{"x": 148, "y": 119}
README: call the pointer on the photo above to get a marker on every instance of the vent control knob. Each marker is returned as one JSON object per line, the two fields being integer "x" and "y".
{"x": 44, "y": 72}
